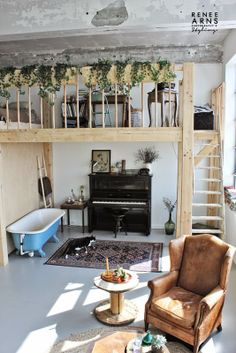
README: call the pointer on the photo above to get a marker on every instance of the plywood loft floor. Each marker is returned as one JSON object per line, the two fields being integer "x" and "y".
{"x": 40, "y": 304}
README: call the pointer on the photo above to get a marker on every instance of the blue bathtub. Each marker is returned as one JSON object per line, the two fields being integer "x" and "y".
{"x": 34, "y": 229}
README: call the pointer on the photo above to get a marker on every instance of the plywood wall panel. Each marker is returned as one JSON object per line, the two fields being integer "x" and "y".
{"x": 20, "y": 181}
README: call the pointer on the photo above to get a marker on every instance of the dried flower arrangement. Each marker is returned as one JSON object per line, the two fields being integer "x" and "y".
{"x": 147, "y": 155}
{"x": 168, "y": 204}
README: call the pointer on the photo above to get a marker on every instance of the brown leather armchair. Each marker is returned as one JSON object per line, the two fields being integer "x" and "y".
{"x": 187, "y": 302}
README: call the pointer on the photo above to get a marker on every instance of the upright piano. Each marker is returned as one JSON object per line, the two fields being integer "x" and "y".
{"x": 117, "y": 190}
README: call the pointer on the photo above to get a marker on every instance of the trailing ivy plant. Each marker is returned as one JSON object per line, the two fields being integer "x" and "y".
{"x": 99, "y": 73}
{"x": 50, "y": 78}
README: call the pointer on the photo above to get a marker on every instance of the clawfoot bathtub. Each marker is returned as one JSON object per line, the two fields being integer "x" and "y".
{"x": 34, "y": 229}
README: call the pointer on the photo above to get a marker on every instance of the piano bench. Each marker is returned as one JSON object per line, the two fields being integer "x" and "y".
{"x": 119, "y": 223}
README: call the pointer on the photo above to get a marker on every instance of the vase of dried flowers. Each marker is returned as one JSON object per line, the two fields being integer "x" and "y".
{"x": 147, "y": 156}
{"x": 169, "y": 225}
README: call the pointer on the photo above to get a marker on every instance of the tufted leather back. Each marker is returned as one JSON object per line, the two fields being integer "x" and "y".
{"x": 203, "y": 264}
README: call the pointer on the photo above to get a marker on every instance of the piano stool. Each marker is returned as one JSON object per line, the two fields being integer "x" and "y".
{"x": 118, "y": 217}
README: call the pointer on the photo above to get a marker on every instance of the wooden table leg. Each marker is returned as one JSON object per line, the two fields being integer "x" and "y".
{"x": 83, "y": 220}
{"x": 68, "y": 217}
{"x": 117, "y": 302}
{"x": 62, "y": 228}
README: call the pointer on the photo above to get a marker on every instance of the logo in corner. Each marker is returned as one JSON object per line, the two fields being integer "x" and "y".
{"x": 205, "y": 21}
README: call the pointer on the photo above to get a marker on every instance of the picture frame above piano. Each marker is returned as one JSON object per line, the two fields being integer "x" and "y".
{"x": 101, "y": 161}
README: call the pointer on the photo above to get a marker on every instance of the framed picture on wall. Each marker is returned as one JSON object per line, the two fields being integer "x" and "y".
{"x": 101, "y": 161}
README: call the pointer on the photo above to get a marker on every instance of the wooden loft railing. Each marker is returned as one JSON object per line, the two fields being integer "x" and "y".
{"x": 48, "y": 124}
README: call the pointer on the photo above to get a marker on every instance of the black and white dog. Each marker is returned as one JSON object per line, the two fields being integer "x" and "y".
{"x": 75, "y": 245}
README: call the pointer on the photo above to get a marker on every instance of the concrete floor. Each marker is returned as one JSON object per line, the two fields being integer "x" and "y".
{"x": 40, "y": 304}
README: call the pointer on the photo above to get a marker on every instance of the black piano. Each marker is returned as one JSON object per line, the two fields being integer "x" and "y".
{"x": 112, "y": 191}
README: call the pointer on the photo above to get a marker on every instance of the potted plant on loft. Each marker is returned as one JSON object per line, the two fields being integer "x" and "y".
{"x": 169, "y": 225}
{"x": 147, "y": 156}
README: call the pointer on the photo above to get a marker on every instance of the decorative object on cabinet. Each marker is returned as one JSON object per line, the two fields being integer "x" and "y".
{"x": 101, "y": 161}
{"x": 81, "y": 197}
{"x": 147, "y": 156}
{"x": 169, "y": 225}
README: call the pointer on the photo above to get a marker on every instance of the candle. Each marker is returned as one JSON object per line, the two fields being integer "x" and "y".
{"x": 107, "y": 265}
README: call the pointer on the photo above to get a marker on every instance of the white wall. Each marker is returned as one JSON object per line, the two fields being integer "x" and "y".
{"x": 207, "y": 77}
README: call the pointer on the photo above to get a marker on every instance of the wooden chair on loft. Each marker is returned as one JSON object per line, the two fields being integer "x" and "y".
{"x": 97, "y": 115}
{"x": 44, "y": 183}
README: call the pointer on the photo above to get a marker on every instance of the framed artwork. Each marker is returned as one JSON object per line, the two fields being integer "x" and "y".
{"x": 101, "y": 161}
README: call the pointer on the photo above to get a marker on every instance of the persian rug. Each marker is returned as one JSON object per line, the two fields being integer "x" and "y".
{"x": 82, "y": 342}
{"x": 134, "y": 256}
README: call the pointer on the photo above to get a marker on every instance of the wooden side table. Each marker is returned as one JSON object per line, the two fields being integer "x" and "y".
{"x": 116, "y": 311}
{"x": 73, "y": 206}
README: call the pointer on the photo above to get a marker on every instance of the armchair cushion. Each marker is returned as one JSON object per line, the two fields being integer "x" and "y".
{"x": 178, "y": 306}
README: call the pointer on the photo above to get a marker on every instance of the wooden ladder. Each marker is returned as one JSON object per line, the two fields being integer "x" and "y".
{"x": 42, "y": 172}
{"x": 208, "y": 207}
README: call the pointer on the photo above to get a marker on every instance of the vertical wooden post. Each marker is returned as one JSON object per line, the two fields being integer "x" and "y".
{"x": 77, "y": 100}
{"x": 41, "y": 112}
{"x": 3, "y": 237}
{"x": 179, "y": 190}
{"x": 65, "y": 106}
{"x": 7, "y": 111}
{"x": 90, "y": 107}
{"x": 188, "y": 137}
{"x": 156, "y": 121}
{"x": 53, "y": 111}
{"x": 18, "y": 106}
{"x": 129, "y": 108}
{"x": 116, "y": 107}
{"x": 48, "y": 157}
{"x": 29, "y": 102}
{"x": 142, "y": 105}
{"x": 103, "y": 109}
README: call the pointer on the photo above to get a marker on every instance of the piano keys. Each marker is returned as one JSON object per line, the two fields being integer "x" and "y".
{"x": 113, "y": 191}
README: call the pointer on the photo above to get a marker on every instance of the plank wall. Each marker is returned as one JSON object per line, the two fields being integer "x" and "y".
{"x": 19, "y": 186}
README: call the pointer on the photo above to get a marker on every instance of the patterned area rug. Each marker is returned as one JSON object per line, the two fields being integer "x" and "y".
{"x": 83, "y": 341}
{"x": 134, "y": 256}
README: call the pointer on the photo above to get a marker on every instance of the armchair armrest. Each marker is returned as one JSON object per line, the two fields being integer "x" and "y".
{"x": 207, "y": 303}
{"x": 212, "y": 298}
{"x": 163, "y": 283}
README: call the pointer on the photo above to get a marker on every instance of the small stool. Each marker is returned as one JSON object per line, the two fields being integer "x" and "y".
{"x": 118, "y": 216}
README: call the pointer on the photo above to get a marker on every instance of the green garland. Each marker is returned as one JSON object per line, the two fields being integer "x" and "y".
{"x": 49, "y": 78}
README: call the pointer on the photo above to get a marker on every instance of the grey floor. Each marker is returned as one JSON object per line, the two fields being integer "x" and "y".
{"x": 40, "y": 304}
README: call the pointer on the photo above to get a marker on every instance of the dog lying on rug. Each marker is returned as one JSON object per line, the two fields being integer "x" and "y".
{"x": 79, "y": 244}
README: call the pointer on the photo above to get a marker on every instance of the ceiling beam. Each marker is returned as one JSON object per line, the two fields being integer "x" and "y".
{"x": 175, "y": 54}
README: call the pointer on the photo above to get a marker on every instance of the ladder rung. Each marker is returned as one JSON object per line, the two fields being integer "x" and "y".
{"x": 208, "y": 168}
{"x": 207, "y": 192}
{"x": 217, "y": 205}
{"x": 209, "y": 180}
{"x": 207, "y": 156}
{"x": 208, "y": 144}
{"x": 210, "y": 231}
{"x": 207, "y": 218}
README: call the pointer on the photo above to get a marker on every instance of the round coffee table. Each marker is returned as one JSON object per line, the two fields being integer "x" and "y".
{"x": 117, "y": 310}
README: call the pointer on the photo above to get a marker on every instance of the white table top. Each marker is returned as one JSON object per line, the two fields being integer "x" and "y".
{"x": 117, "y": 287}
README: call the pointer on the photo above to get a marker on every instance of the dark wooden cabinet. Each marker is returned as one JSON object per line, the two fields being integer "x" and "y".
{"x": 120, "y": 191}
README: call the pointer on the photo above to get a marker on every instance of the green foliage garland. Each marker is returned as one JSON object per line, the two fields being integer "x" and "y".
{"x": 49, "y": 78}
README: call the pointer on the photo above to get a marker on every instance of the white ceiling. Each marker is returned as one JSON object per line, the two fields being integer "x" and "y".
{"x": 56, "y": 26}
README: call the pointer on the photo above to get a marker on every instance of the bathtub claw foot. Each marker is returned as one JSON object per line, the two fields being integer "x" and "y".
{"x": 42, "y": 253}
{"x": 55, "y": 239}
{"x": 31, "y": 254}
